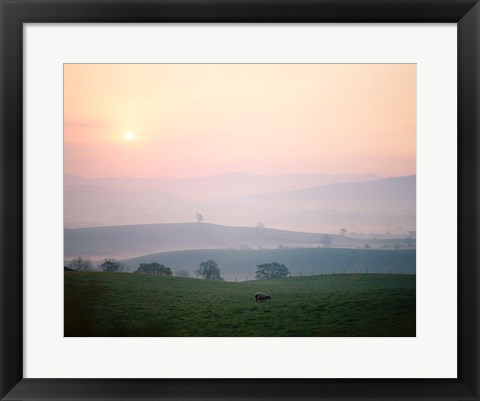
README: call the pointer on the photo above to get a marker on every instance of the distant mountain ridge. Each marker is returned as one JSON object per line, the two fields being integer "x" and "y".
{"x": 394, "y": 189}
{"x": 222, "y": 185}
{"x": 378, "y": 205}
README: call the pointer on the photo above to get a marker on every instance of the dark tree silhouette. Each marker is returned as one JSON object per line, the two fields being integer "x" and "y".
{"x": 209, "y": 270}
{"x": 199, "y": 217}
{"x": 271, "y": 270}
{"x": 111, "y": 266}
{"x": 154, "y": 268}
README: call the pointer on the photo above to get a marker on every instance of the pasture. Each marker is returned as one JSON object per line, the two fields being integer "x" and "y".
{"x": 341, "y": 305}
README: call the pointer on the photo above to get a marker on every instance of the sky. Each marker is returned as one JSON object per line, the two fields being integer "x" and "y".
{"x": 191, "y": 120}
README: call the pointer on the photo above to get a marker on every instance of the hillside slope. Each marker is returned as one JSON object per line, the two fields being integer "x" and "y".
{"x": 241, "y": 265}
{"x": 134, "y": 305}
{"x": 135, "y": 240}
{"x": 392, "y": 193}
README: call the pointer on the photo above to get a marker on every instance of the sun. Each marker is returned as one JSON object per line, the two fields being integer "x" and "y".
{"x": 128, "y": 135}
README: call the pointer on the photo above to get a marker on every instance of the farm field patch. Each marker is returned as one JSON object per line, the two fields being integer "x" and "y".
{"x": 340, "y": 305}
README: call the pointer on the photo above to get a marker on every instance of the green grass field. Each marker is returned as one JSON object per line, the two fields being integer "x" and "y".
{"x": 124, "y": 304}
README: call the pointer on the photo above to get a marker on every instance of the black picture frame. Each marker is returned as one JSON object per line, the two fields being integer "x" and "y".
{"x": 14, "y": 13}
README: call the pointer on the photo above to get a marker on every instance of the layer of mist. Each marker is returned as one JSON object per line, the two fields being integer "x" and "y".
{"x": 316, "y": 203}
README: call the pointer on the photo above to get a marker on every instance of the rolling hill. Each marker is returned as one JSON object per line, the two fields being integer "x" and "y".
{"x": 135, "y": 240}
{"x": 237, "y": 264}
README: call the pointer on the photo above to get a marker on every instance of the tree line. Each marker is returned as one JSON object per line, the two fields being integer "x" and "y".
{"x": 207, "y": 270}
{"x": 115, "y": 266}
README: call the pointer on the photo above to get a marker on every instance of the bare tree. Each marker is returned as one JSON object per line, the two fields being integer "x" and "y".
{"x": 326, "y": 241}
{"x": 182, "y": 273}
{"x": 199, "y": 217}
{"x": 81, "y": 264}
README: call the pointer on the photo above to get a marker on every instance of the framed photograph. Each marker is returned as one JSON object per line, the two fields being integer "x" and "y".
{"x": 267, "y": 220}
{"x": 250, "y": 200}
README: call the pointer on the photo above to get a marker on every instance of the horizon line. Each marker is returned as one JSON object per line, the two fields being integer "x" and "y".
{"x": 235, "y": 173}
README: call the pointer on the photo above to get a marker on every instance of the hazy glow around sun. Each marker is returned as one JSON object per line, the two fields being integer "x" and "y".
{"x": 241, "y": 117}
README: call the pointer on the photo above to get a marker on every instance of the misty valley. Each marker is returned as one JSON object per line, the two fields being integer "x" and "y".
{"x": 200, "y": 278}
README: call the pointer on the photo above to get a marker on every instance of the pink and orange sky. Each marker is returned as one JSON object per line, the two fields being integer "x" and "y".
{"x": 190, "y": 120}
